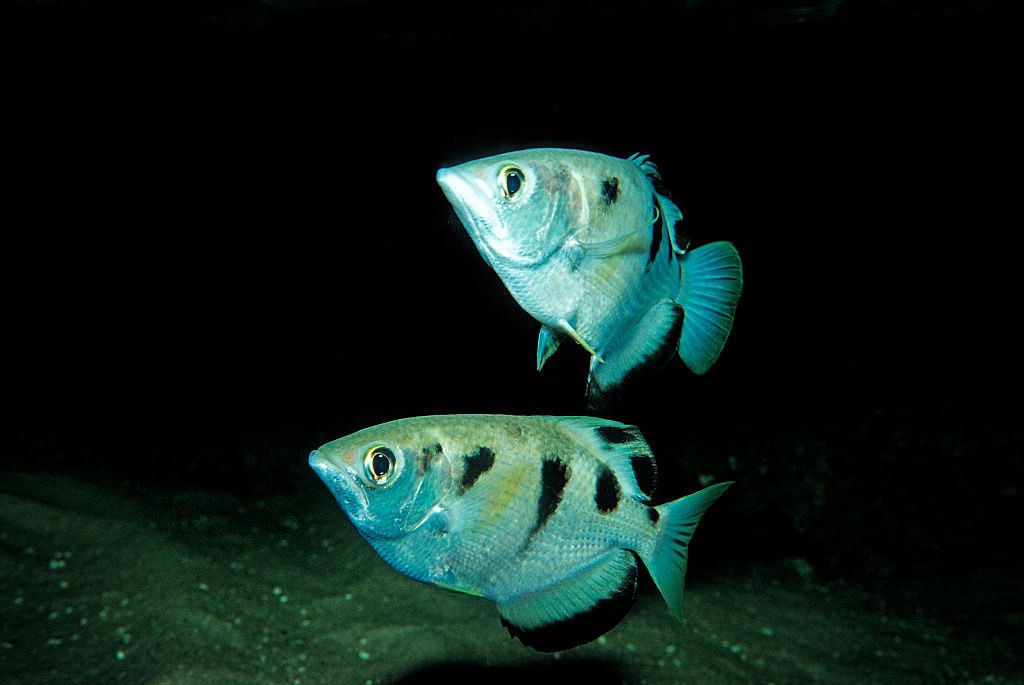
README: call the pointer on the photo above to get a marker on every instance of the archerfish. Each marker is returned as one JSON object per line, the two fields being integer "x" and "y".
{"x": 592, "y": 247}
{"x": 547, "y": 517}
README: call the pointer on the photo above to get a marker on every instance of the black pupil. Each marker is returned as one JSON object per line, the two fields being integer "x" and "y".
{"x": 513, "y": 181}
{"x": 381, "y": 464}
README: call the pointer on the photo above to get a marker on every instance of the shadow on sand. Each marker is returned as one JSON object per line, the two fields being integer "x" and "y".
{"x": 591, "y": 671}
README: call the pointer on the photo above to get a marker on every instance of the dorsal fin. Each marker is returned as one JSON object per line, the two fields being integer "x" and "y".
{"x": 649, "y": 168}
{"x": 673, "y": 217}
{"x": 621, "y": 447}
{"x": 670, "y": 213}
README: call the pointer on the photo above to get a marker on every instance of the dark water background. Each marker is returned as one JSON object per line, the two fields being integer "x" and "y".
{"x": 216, "y": 260}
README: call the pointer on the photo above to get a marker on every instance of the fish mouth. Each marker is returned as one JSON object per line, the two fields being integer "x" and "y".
{"x": 341, "y": 483}
{"x": 466, "y": 200}
{"x": 472, "y": 203}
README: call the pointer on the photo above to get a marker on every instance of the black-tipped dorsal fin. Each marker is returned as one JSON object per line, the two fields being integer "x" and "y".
{"x": 577, "y": 610}
{"x": 621, "y": 447}
{"x": 673, "y": 218}
{"x": 670, "y": 213}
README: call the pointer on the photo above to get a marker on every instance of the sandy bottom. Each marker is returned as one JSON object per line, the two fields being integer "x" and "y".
{"x": 105, "y": 583}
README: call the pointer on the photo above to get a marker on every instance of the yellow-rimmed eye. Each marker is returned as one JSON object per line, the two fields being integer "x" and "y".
{"x": 512, "y": 180}
{"x": 379, "y": 465}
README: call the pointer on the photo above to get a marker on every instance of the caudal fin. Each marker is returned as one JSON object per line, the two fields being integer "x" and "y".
{"x": 677, "y": 521}
{"x": 712, "y": 282}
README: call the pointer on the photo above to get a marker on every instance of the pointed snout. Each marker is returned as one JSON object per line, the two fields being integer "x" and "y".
{"x": 337, "y": 476}
{"x": 442, "y": 175}
{"x": 318, "y": 463}
{"x": 453, "y": 187}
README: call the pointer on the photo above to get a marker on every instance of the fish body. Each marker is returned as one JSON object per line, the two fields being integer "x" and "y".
{"x": 546, "y": 517}
{"x": 591, "y": 246}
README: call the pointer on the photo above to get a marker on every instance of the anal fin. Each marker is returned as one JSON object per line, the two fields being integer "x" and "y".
{"x": 651, "y": 342}
{"x": 577, "y": 610}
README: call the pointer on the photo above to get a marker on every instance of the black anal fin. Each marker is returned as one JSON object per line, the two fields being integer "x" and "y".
{"x": 577, "y": 610}
{"x": 648, "y": 345}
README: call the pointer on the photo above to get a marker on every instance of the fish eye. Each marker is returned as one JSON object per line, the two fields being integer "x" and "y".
{"x": 511, "y": 179}
{"x": 379, "y": 465}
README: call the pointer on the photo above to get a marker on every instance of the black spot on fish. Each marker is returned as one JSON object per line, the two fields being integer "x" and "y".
{"x": 610, "y": 190}
{"x": 646, "y": 472}
{"x": 427, "y": 455}
{"x": 615, "y": 435}
{"x": 606, "y": 491}
{"x": 657, "y": 228}
{"x": 476, "y": 463}
{"x": 583, "y": 626}
{"x": 554, "y": 475}
{"x": 653, "y": 514}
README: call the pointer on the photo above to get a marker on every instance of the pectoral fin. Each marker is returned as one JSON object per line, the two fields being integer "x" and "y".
{"x": 547, "y": 342}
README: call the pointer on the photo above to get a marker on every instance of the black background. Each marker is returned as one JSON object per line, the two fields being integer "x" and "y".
{"x": 216, "y": 259}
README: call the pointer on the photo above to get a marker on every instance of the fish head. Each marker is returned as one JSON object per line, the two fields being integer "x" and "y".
{"x": 387, "y": 487}
{"x": 519, "y": 208}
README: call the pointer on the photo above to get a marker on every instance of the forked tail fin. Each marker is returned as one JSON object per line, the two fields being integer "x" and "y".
{"x": 677, "y": 521}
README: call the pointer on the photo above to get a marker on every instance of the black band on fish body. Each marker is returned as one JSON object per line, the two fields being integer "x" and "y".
{"x": 476, "y": 463}
{"x": 646, "y": 471}
{"x": 607, "y": 491}
{"x": 554, "y": 476}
